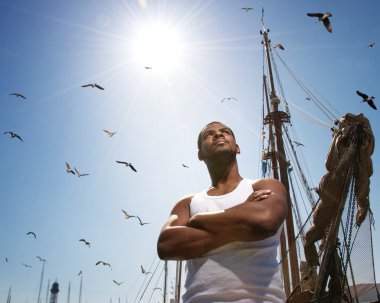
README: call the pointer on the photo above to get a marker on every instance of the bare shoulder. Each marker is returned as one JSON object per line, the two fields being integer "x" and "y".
{"x": 180, "y": 214}
{"x": 184, "y": 202}
{"x": 271, "y": 184}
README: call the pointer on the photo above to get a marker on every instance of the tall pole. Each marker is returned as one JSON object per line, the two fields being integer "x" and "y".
{"x": 80, "y": 289}
{"x": 278, "y": 118}
{"x": 42, "y": 276}
{"x": 178, "y": 282}
{"x": 47, "y": 291}
{"x": 165, "y": 280}
{"x": 68, "y": 294}
{"x": 9, "y": 295}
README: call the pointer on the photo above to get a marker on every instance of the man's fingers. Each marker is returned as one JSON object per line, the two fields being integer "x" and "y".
{"x": 259, "y": 195}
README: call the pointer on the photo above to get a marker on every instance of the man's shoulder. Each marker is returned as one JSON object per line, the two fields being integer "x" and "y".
{"x": 267, "y": 183}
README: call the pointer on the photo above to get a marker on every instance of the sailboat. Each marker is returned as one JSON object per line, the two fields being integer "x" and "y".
{"x": 326, "y": 254}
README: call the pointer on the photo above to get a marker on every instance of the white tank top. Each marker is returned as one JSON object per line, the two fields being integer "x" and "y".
{"x": 244, "y": 272}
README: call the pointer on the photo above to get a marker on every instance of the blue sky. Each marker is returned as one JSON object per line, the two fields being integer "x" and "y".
{"x": 48, "y": 50}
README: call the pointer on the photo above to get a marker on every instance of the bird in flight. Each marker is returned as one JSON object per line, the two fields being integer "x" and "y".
{"x": 298, "y": 144}
{"x": 229, "y": 99}
{"x": 247, "y": 9}
{"x": 93, "y": 85}
{"x": 371, "y": 44}
{"x": 141, "y": 222}
{"x": 280, "y": 46}
{"x": 127, "y": 216}
{"x": 68, "y": 169}
{"x": 80, "y": 175}
{"x": 184, "y": 165}
{"x": 6, "y": 259}
{"x": 147, "y": 67}
{"x": 144, "y": 271}
{"x": 32, "y": 233}
{"x": 85, "y": 242}
{"x": 103, "y": 263}
{"x": 26, "y": 265}
{"x": 367, "y": 99}
{"x": 324, "y": 17}
{"x": 41, "y": 259}
{"x": 18, "y": 95}
{"x": 13, "y": 135}
{"x": 79, "y": 273}
{"x": 118, "y": 283}
{"x": 307, "y": 98}
{"x": 128, "y": 164}
{"x": 110, "y": 134}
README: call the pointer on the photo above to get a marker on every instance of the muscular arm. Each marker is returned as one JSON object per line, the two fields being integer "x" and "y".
{"x": 253, "y": 220}
{"x": 180, "y": 242}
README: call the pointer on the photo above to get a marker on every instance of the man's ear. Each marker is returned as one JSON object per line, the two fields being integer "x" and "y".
{"x": 237, "y": 149}
{"x": 200, "y": 156}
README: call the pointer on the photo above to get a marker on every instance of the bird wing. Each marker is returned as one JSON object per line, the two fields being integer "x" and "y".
{"x": 68, "y": 166}
{"x": 86, "y": 85}
{"x": 364, "y": 96}
{"x": 122, "y": 162}
{"x": 22, "y": 96}
{"x": 98, "y": 86}
{"x": 372, "y": 104}
{"x": 18, "y": 137}
{"x": 77, "y": 171}
{"x": 327, "y": 24}
{"x": 131, "y": 166}
{"x": 319, "y": 15}
{"x": 97, "y": 263}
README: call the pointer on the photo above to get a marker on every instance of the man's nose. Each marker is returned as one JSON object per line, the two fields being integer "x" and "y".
{"x": 219, "y": 134}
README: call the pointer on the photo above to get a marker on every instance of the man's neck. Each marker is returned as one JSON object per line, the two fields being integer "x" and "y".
{"x": 224, "y": 178}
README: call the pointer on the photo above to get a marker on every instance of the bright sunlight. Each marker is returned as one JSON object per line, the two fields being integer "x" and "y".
{"x": 159, "y": 47}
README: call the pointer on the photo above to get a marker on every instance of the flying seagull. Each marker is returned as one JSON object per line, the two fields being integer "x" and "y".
{"x": 79, "y": 273}
{"x": 80, "y": 175}
{"x": 110, "y": 134}
{"x": 141, "y": 222}
{"x": 93, "y": 85}
{"x": 41, "y": 259}
{"x": 247, "y": 9}
{"x": 307, "y": 98}
{"x": 118, "y": 283}
{"x": 18, "y": 95}
{"x": 367, "y": 99}
{"x": 26, "y": 265}
{"x": 127, "y": 164}
{"x": 184, "y": 165}
{"x": 85, "y": 242}
{"x": 32, "y": 233}
{"x": 127, "y": 216}
{"x": 103, "y": 263}
{"x": 324, "y": 17}
{"x": 13, "y": 135}
{"x": 229, "y": 99}
{"x": 280, "y": 46}
{"x": 6, "y": 259}
{"x": 144, "y": 271}
{"x": 147, "y": 67}
{"x": 68, "y": 169}
{"x": 298, "y": 144}
{"x": 371, "y": 44}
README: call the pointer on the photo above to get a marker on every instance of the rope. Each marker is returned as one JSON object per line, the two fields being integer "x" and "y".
{"x": 151, "y": 277}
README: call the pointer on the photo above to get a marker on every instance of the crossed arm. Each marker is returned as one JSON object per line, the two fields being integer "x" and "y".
{"x": 184, "y": 238}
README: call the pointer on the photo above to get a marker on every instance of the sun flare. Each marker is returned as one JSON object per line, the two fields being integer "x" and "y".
{"x": 158, "y": 46}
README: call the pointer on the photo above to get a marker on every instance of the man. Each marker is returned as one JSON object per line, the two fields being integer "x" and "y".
{"x": 229, "y": 233}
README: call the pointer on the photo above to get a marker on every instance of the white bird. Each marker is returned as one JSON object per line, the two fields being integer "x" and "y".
{"x": 280, "y": 46}
{"x": 229, "y": 99}
{"x": 118, "y": 283}
{"x": 79, "y": 273}
{"x": 85, "y": 242}
{"x": 104, "y": 263}
{"x": 184, "y": 165}
{"x": 144, "y": 271}
{"x": 141, "y": 222}
{"x": 147, "y": 67}
{"x": 110, "y": 134}
{"x": 127, "y": 216}
{"x": 26, "y": 265}
{"x": 367, "y": 99}
{"x": 13, "y": 135}
{"x": 128, "y": 164}
{"x": 18, "y": 95}
{"x": 247, "y": 9}
{"x": 93, "y": 85}
{"x": 68, "y": 169}
{"x": 41, "y": 259}
{"x": 371, "y": 44}
{"x": 324, "y": 17}
{"x": 298, "y": 144}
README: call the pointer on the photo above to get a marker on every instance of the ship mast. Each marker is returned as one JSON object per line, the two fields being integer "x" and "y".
{"x": 276, "y": 118}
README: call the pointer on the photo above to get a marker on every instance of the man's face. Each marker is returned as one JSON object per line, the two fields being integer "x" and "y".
{"x": 217, "y": 139}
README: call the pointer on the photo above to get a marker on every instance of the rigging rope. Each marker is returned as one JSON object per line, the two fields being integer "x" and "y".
{"x": 151, "y": 277}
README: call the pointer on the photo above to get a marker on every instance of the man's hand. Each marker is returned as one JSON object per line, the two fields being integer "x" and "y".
{"x": 259, "y": 195}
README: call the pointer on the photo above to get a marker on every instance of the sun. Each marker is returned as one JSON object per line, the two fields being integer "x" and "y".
{"x": 158, "y": 46}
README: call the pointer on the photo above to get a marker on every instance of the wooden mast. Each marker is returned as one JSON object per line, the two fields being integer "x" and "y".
{"x": 277, "y": 118}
